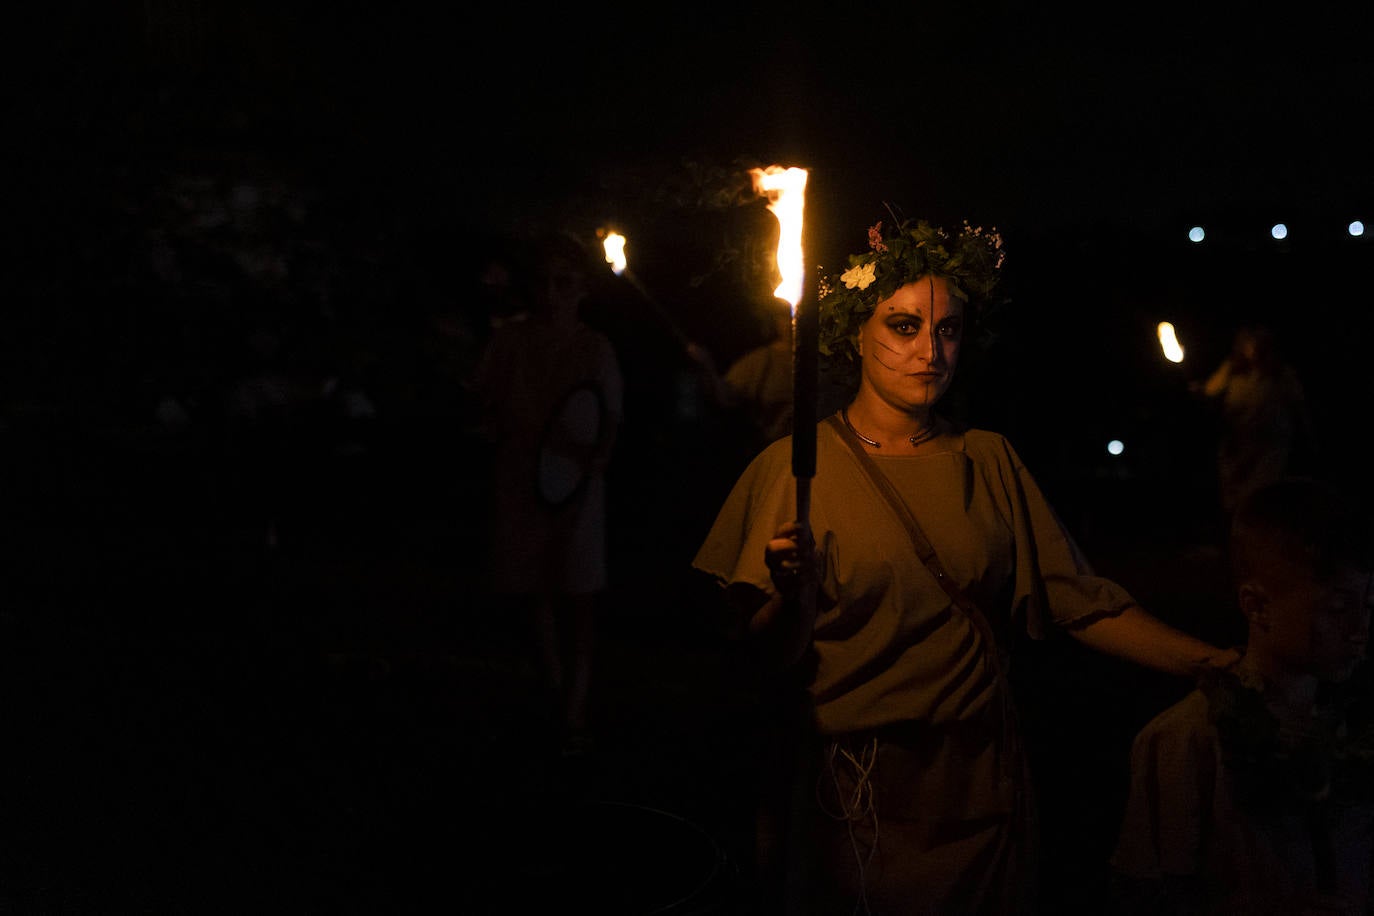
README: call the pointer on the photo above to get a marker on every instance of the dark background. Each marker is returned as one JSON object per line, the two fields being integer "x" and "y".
{"x": 249, "y": 666}
{"x": 412, "y": 131}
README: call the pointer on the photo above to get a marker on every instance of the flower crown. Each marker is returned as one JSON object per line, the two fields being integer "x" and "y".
{"x": 970, "y": 260}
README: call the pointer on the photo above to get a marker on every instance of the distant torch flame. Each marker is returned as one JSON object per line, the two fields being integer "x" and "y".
{"x": 614, "y": 243}
{"x": 785, "y": 189}
{"x": 1173, "y": 350}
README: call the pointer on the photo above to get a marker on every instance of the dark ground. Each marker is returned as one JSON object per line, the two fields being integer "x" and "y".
{"x": 197, "y": 721}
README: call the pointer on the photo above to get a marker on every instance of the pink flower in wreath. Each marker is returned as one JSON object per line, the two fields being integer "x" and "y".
{"x": 875, "y": 237}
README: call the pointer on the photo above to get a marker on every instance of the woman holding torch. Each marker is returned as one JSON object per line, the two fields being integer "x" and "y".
{"x": 551, "y": 395}
{"x": 929, "y": 546}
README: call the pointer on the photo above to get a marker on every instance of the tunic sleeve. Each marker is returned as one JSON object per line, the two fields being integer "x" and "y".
{"x": 1054, "y": 580}
{"x": 762, "y": 499}
{"x": 745, "y": 375}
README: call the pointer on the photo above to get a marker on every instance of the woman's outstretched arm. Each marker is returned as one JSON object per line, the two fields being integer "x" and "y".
{"x": 1140, "y": 637}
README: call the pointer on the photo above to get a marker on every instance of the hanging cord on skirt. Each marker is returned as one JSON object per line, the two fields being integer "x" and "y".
{"x": 856, "y": 804}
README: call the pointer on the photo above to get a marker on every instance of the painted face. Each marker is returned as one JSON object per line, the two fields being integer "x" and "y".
{"x": 1324, "y": 626}
{"x": 909, "y": 346}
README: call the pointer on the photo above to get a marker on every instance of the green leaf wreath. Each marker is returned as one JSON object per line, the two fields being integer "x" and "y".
{"x": 970, "y": 258}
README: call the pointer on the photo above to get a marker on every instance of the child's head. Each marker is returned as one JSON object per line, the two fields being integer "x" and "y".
{"x": 562, "y": 268}
{"x": 1302, "y": 558}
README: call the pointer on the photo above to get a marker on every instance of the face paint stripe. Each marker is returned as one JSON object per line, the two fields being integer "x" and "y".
{"x": 930, "y": 281}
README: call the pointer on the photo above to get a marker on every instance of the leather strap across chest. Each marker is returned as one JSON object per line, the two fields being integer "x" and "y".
{"x": 926, "y": 552}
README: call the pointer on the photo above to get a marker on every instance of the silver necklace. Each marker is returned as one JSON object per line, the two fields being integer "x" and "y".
{"x": 915, "y": 439}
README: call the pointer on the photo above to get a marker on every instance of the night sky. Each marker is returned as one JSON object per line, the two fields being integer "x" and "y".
{"x": 1092, "y": 145}
{"x": 1004, "y": 112}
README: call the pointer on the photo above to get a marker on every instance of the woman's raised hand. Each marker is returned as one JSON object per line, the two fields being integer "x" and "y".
{"x": 791, "y": 557}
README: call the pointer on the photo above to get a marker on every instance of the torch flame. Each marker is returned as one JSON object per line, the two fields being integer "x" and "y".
{"x": 614, "y": 244}
{"x": 785, "y": 189}
{"x": 1173, "y": 350}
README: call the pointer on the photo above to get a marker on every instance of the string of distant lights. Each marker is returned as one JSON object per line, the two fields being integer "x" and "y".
{"x": 1278, "y": 231}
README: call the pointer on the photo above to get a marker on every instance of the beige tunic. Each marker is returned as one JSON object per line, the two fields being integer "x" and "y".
{"x": 891, "y": 649}
{"x": 1262, "y": 420}
{"x": 528, "y": 369}
{"x": 893, "y": 657}
{"x": 760, "y": 383}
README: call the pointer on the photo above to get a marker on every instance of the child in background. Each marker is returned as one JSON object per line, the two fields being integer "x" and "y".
{"x": 1254, "y": 794}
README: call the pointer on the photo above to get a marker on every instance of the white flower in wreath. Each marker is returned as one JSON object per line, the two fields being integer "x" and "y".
{"x": 861, "y": 276}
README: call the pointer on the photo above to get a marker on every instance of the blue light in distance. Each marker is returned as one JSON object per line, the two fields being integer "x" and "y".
{"x": 1116, "y": 447}
{"x": 1356, "y": 228}
{"x": 1196, "y": 234}
{"x": 1280, "y": 231}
